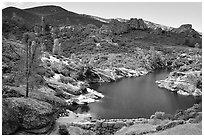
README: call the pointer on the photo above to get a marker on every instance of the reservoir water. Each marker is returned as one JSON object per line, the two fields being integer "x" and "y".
{"x": 136, "y": 97}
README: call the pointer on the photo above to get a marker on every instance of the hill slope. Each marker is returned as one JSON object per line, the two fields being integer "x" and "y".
{"x": 26, "y": 16}
{"x": 53, "y": 15}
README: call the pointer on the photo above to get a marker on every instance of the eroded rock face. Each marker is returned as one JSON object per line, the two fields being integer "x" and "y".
{"x": 26, "y": 113}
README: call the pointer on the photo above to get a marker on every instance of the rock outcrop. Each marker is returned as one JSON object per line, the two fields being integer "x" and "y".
{"x": 184, "y": 83}
{"x": 183, "y": 28}
{"x": 118, "y": 27}
{"x": 135, "y": 23}
{"x": 90, "y": 97}
{"x": 191, "y": 36}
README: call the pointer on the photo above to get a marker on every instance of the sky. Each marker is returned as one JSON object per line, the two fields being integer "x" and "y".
{"x": 171, "y": 14}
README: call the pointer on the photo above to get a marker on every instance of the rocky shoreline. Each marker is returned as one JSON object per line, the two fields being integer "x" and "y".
{"x": 184, "y": 83}
{"x": 78, "y": 91}
{"x": 157, "y": 122}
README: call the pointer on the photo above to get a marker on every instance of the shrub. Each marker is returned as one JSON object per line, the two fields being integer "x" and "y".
{"x": 158, "y": 128}
{"x": 159, "y": 115}
{"x": 63, "y": 130}
{"x": 198, "y": 107}
{"x": 168, "y": 116}
{"x": 198, "y": 118}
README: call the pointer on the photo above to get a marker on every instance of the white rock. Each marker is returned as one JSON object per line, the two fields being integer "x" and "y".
{"x": 181, "y": 92}
{"x": 57, "y": 76}
{"x": 95, "y": 92}
{"x": 197, "y": 92}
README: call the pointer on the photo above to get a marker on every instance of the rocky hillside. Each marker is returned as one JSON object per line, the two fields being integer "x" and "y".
{"x": 140, "y": 29}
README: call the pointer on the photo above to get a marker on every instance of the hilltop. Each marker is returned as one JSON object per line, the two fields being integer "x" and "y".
{"x": 54, "y": 15}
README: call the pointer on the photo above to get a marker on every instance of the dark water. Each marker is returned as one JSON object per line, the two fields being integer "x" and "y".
{"x": 136, "y": 97}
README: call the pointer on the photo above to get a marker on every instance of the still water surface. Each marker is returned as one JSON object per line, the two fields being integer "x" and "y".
{"x": 136, "y": 97}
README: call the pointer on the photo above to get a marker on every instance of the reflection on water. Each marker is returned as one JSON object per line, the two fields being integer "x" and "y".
{"x": 136, "y": 97}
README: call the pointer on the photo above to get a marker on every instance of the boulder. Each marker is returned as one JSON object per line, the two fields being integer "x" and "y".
{"x": 10, "y": 122}
{"x": 29, "y": 114}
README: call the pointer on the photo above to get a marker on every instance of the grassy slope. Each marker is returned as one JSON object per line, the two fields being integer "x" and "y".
{"x": 186, "y": 129}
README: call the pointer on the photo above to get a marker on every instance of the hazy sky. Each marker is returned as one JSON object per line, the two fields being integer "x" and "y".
{"x": 168, "y": 13}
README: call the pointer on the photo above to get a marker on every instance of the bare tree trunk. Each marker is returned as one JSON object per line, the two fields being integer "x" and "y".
{"x": 27, "y": 67}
